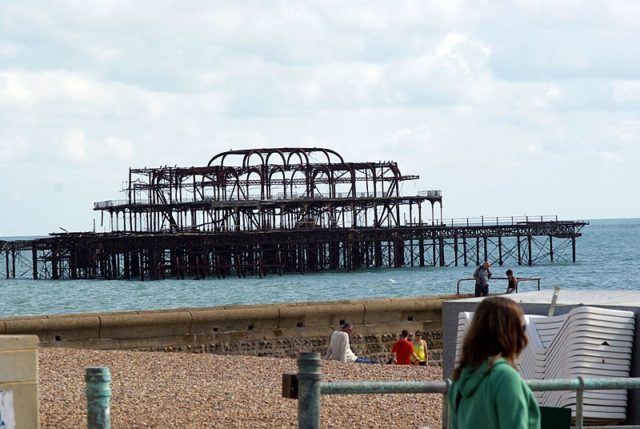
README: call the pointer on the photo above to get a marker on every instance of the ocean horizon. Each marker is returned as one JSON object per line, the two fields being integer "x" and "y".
{"x": 607, "y": 258}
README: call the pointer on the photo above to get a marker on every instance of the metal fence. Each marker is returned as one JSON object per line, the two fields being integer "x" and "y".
{"x": 520, "y": 280}
{"x": 311, "y": 387}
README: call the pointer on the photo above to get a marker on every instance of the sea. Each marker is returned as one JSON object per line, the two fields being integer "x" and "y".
{"x": 608, "y": 257}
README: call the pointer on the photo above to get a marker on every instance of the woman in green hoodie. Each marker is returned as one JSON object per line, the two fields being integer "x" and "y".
{"x": 487, "y": 390}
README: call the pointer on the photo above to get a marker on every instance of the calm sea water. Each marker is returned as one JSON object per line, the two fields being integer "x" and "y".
{"x": 608, "y": 258}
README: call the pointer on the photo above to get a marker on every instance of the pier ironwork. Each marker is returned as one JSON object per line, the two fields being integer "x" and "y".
{"x": 279, "y": 210}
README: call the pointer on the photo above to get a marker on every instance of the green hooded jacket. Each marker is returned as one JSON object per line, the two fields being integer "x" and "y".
{"x": 495, "y": 398}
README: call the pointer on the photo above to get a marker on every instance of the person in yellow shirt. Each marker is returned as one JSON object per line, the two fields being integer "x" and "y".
{"x": 420, "y": 349}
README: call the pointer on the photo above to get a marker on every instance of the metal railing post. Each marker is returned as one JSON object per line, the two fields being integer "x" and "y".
{"x": 309, "y": 376}
{"x": 446, "y": 412}
{"x": 579, "y": 402}
{"x": 98, "y": 391}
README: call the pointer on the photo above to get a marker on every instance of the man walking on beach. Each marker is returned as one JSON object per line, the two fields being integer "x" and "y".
{"x": 403, "y": 349}
{"x": 482, "y": 276}
{"x": 340, "y": 349}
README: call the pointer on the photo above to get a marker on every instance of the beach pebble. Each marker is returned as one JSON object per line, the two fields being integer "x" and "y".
{"x": 183, "y": 390}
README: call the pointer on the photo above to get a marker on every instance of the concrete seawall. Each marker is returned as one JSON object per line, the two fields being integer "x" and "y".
{"x": 276, "y": 330}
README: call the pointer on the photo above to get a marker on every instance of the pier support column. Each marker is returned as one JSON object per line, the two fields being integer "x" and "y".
{"x": 127, "y": 266}
{"x": 500, "y": 250}
{"x": 529, "y": 249}
{"x": 378, "y": 254}
{"x": 411, "y": 251}
{"x": 433, "y": 248}
{"x": 551, "y": 247}
{"x": 135, "y": 264}
{"x": 455, "y": 249}
{"x": 34, "y": 262}
{"x": 464, "y": 251}
{"x": 486, "y": 253}
{"x": 519, "y": 251}
{"x": 54, "y": 265}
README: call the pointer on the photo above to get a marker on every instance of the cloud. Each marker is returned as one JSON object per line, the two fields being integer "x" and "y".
{"x": 12, "y": 149}
{"x": 75, "y": 148}
{"x": 122, "y": 149}
{"x": 456, "y": 92}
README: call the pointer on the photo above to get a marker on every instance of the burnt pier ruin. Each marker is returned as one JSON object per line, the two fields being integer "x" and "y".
{"x": 279, "y": 210}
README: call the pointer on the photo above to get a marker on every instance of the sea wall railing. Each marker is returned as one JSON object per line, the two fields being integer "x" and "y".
{"x": 310, "y": 388}
{"x": 520, "y": 280}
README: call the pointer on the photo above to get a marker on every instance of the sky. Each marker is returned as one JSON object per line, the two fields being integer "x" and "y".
{"x": 510, "y": 108}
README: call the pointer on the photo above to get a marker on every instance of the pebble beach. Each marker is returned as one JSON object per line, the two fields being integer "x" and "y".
{"x": 182, "y": 390}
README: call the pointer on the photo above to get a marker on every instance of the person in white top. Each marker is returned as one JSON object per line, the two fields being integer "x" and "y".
{"x": 339, "y": 348}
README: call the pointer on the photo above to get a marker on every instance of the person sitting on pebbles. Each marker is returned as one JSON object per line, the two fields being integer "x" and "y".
{"x": 339, "y": 348}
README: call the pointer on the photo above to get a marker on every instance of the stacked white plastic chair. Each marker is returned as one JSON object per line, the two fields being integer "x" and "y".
{"x": 590, "y": 342}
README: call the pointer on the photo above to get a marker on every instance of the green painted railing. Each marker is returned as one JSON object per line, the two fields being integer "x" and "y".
{"x": 311, "y": 387}
{"x": 98, "y": 390}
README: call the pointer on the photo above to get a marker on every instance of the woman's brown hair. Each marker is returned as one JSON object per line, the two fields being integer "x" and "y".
{"x": 496, "y": 329}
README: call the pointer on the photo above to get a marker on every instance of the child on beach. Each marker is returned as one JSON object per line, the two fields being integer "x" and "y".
{"x": 512, "y": 285}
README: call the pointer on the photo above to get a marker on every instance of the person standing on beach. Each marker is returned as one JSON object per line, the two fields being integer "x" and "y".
{"x": 482, "y": 276}
{"x": 487, "y": 390}
{"x": 339, "y": 348}
{"x": 403, "y": 349}
{"x": 512, "y": 282}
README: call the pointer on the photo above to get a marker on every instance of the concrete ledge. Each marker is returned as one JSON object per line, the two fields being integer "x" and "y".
{"x": 18, "y": 342}
{"x": 145, "y": 325}
{"x": 224, "y": 319}
{"x": 262, "y": 330}
{"x": 320, "y": 315}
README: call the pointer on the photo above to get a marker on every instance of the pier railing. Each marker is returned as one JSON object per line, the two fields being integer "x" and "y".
{"x": 280, "y": 196}
{"x": 520, "y": 280}
{"x": 310, "y": 387}
{"x": 498, "y": 220}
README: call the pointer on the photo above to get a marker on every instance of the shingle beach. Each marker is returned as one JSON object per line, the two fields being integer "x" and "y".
{"x": 181, "y": 390}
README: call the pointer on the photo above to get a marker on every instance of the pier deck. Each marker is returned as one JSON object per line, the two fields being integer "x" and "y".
{"x": 119, "y": 255}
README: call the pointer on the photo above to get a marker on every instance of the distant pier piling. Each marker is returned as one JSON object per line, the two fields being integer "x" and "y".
{"x": 153, "y": 256}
